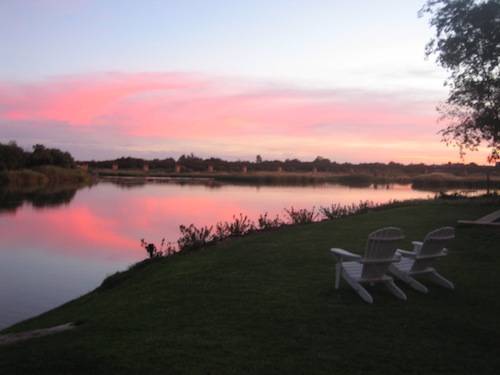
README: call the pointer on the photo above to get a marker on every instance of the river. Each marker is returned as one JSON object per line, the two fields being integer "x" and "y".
{"x": 58, "y": 245}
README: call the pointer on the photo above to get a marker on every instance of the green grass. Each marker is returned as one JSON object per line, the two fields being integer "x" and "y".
{"x": 266, "y": 304}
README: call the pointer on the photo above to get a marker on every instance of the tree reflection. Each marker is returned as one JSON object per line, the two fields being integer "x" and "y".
{"x": 11, "y": 200}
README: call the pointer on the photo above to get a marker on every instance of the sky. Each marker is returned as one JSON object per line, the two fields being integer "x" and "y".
{"x": 232, "y": 79}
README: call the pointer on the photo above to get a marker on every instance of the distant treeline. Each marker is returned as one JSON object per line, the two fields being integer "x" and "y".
{"x": 13, "y": 157}
{"x": 192, "y": 163}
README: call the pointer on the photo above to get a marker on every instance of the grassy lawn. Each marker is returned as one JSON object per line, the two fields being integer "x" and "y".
{"x": 266, "y": 304}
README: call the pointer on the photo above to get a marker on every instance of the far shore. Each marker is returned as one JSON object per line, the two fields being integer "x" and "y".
{"x": 434, "y": 180}
{"x": 50, "y": 176}
{"x": 43, "y": 177}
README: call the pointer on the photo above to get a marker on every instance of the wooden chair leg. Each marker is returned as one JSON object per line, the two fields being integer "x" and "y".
{"x": 338, "y": 271}
{"x": 363, "y": 293}
{"x": 393, "y": 288}
{"x": 403, "y": 276}
{"x": 440, "y": 280}
{"x": 417, "y": 285}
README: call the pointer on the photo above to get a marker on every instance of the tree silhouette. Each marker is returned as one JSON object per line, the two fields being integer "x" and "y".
{"x": 467, "y": 43}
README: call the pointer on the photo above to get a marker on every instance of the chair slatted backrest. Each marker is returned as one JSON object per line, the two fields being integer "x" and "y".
{"x": 433, "y": 244}
{"x": 380, "y": 249}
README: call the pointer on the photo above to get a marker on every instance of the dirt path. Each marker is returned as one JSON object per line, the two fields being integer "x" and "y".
{"x": 12, "y": 338}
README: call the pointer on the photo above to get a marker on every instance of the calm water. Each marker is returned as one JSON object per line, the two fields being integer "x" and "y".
{"x": 56, "y": 246}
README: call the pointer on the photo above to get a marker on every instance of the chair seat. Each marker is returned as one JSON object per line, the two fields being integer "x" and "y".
{"x": 355, "y": 269}
{"x": 405, "y": 264}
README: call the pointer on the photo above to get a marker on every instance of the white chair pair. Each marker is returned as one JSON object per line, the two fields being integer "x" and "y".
{"x": 382, "y": 256}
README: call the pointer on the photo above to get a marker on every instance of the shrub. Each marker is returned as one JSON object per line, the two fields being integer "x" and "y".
{"x": 166, "y": 248}
{"x": 336, "y": 211}
{"x": 301, "y": 216}
{"x": 238, "y": 227}
{"x": 194, "y": 238}
{"x": 265, "y": 223}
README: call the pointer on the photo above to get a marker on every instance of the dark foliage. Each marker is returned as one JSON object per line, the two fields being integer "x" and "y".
{"x": 13, "y": 157}
{"x": 301, "y": 216}
{"x": 49, "y": 156}
{"x": 165, "y": 248}
{"x": 240, "y": 226}
{"x": 355, "y": 174}
{"x": 266, "y": 223}
{"x": 467, "y": 43}
{"x": 193, "y": 238}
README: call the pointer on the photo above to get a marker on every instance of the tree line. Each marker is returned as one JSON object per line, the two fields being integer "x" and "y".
{"x": 13, "y": 157}
{"x": 193, "y": 163}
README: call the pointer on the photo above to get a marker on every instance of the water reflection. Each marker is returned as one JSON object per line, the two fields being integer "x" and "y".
{"x": 51, "y": 255}
{"x": 11, "y": 200}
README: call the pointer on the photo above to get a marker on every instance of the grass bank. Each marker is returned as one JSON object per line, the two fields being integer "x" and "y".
{"x": 41, "y": 177}
{"x": 266, "y": 304}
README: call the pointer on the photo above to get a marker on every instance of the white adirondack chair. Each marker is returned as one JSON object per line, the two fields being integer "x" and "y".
{"x": 419, "y": 261}
{"x": 373, "y": 266}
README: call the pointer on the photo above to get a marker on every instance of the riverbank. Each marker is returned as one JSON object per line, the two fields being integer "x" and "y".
{"x": 424, "y": 181}
{"x": 42, "y": 177}
{"x": 265, "y": 303}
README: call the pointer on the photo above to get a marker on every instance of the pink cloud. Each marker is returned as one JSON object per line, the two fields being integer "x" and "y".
{"x": 156, "y": 107}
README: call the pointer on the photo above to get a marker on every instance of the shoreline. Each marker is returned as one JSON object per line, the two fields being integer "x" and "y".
{"x": 431, "y": 180}
{"x": 43, "y": 177}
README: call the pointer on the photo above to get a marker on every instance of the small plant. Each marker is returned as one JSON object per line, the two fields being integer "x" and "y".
{"x": 168, "y": 248}
{"x": 193, "y": 238}
{"x": 301, "y": 216}
{"x": 152, "y": 249}
{"x": 336, "y": 211}
{"x": 240, "y": 226}
{"x": 265, "y": 223}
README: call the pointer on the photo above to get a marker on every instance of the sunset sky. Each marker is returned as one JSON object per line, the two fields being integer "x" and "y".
{"x": 284, "y": 79}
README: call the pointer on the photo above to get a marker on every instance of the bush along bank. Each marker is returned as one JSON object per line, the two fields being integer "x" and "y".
{"x": 194, "y": 238}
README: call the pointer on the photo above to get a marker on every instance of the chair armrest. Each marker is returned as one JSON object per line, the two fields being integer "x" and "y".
{"x": 442, "y": 253}
{"x": 417, "y": 245}
{"x": 342, "y": 254}
{"x": 394, "y": 259}
{"x": 406, "y": 254}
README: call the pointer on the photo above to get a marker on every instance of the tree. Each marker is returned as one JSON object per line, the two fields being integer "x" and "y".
{"x": 42, "y": 155}
{"x": 467, "y": 43}
{"x": 258, "y": 159}
{"x": 12, "y": 156}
